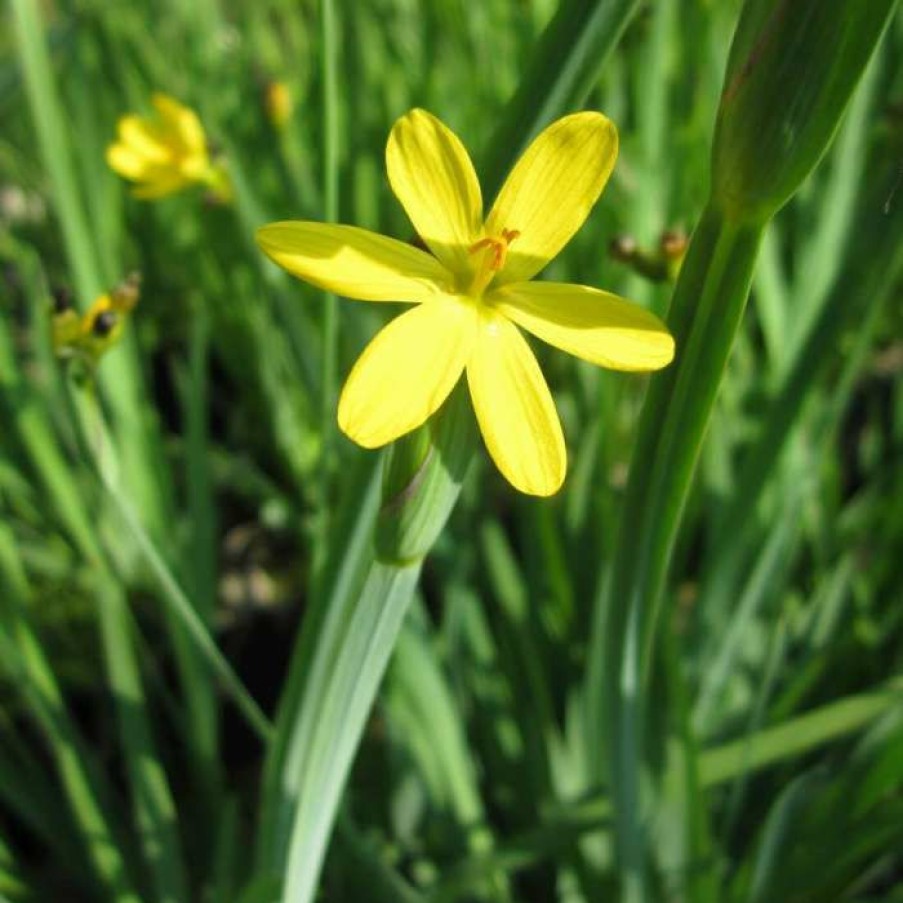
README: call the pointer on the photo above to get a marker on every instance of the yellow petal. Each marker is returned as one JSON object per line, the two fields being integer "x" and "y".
{"x": 159, "y": 183}
{"x": 182, "y": 124}
{"x": 431, "y": 174}
{"x": 101, "y": 304}
{"x": 551, "y": 191}
{"x": 353, "y": 262}
{"x": 594, "y": 325}
{"x": 125, "y": 161}
{"x": 515, "y": 409}
{"x": 143, "y": 138}
{"x": 407, "y": 371}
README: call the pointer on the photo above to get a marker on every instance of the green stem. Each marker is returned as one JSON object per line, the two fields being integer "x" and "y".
{"x": 329, "y": 322}
{"x": 53, "y": 140}
{"x": 187, "y": 617}
{"x": 360, "y": 661}
{"x": 307, "y": 680}
{"x": 706, "y": 312}
{"x": 328, "y": 65}
{"x": 348, "y": 638}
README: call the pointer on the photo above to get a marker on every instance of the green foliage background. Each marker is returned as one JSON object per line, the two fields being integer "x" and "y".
{"x": 181, "y": 525}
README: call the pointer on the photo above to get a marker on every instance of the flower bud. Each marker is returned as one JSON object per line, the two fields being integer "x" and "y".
{"x": 792, "y": 68}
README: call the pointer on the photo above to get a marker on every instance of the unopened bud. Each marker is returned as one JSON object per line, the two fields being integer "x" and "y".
{"x": 792, "y": 68}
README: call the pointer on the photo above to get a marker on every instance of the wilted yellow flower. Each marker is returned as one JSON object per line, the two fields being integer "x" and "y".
{"x": 166, "y": 152}
{"x": 87, "y": 336}
{"x": 473, "y": 291}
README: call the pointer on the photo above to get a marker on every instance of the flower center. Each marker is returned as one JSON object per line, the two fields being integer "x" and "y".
{"x": 495, "y": 250}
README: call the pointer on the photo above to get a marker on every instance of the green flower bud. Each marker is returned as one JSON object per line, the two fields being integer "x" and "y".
{"x": 792, "y": 68}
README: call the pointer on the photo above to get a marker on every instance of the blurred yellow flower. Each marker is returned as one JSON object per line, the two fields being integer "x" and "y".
{"x": 278, "y": 103}
{"x": 166, "y": 152}
{"x": 473, "y": 291}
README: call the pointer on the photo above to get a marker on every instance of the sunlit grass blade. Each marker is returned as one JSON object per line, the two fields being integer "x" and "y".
{"x": 684, "y": 843}
{"x": 360, "y": 655}
{"x": 184, "y": 611}
{"x": 342, "y": 659}
{"x": 763, "y": 584}
{"x": 839, "y": 200}
{"x": 830, "y": 822}
{"x": 767, "y": 748}
{"x": 295, "y": 723}
{"x": 155, "y": 811}
{"x": 798, "y": 735}
{"x": 423, "y": 711}
{"x": 11, "y": 881}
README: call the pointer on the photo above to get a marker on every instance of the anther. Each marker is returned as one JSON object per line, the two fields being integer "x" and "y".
{"x": 493, "y": 261}
{"x": 499, "y": 247}
{"x": 482, "y": 243}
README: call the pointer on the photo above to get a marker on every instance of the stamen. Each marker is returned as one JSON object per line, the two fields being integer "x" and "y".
{"x": 494, "y": 260}
{"x": 483, "y": 243}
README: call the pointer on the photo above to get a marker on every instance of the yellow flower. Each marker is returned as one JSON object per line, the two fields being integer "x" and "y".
{"x": 88, "y": 336}
{"x": 278, "y": 103}
{"x": 166, "y": 152}
{"x": 473, "y": 291}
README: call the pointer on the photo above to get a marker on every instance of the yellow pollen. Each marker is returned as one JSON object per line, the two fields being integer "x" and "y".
{"x": 494, "y": 260}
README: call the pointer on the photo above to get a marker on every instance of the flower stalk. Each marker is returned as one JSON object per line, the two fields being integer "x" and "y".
{"x": 423, "y": 475}
{"x": 771, "y": 131}
{"x": 560, "y": 85}
{"x": 332, "y": 683}
{"x": 706, "y": 311}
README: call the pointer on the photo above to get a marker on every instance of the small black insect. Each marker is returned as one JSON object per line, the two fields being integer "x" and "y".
{"x": 104, "y": 323}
